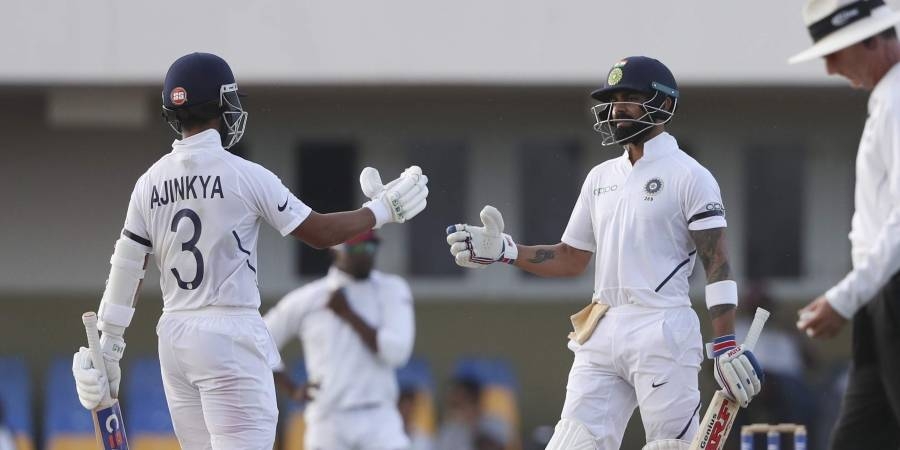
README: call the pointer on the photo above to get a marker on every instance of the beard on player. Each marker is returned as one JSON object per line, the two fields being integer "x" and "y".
{"x": 628, "y": 130}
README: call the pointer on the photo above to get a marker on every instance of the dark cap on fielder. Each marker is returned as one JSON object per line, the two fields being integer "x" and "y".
{"x": 637, "y": 73}
{"x": 366, "y": 236}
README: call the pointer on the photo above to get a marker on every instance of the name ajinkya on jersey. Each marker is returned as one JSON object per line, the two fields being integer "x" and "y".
{"x": 187, "y": 187}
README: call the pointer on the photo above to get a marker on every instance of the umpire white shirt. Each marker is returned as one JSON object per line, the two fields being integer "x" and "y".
{"x": 349, "y": 375}
{"x": 637, "y": 219}
{"x": 875, "y": 229}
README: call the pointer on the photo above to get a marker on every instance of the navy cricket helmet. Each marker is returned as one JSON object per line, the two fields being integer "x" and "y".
{"x": 636, "y": 74}
{"x": 201, "y": 87}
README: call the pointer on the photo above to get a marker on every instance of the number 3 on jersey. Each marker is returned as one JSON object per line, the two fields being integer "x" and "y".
{"x": 190, "y": 246}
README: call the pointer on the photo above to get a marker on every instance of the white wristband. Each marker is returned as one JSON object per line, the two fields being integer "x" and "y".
{"x": 381, "y": 212}
{"x": 721, "y": 293}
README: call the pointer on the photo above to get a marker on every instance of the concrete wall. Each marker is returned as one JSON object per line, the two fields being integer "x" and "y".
{"x": 403, "y": 41}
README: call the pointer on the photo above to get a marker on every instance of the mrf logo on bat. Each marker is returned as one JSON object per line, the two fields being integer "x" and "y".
{"x": 111, "y": 428}
{"x": 713, "y": 439}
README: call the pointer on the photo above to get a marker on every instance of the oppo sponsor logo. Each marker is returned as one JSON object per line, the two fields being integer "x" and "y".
{"x": 606, "y": 189}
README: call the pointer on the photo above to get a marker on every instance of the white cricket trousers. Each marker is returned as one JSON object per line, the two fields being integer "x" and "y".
{"x": 637, "y": 356}
{"x": 372, "y": 427}
{"x": 217, "y": 372}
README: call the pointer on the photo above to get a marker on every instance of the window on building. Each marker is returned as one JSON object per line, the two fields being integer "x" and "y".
{"x": 774, "y": 183}
{"x": 327, "y": 181}
{"x": 550, "y": 178}
{"x": 445, "y": 163}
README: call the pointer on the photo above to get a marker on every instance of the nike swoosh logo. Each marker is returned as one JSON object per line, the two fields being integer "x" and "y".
{"x": 281, "y": 207}
{"x": 658, "y": 385}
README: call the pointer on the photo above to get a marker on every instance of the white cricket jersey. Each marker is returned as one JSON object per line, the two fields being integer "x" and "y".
{"x": 348, "y": 373}
{"x": 637, "y": 221}
{"x": 875, "y": 228}
{"x": 198, "y": 210}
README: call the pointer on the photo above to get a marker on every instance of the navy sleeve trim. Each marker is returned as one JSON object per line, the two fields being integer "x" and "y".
{"x": 706, "y": 214}
{"x": 140, "y": 240}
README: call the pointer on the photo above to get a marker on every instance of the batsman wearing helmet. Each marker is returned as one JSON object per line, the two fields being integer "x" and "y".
{"x": 198, "y": 211}
{"x": 647, "y": 215}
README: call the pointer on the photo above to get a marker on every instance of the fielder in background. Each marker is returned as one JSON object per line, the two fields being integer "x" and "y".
{"x": 858, "y": 41}
{"x": 648, "y": 215}
{"x": 357, "y": 327}
{"x": 198, "y": 211}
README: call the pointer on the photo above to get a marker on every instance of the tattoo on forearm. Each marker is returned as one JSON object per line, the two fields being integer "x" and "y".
{"x": 542, "y": 255}
{"x": 711, "y": 249}
{"x": 719, "y": 310}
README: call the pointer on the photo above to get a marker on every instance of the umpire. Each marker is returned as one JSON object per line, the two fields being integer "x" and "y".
{"x": 859, "y": 42}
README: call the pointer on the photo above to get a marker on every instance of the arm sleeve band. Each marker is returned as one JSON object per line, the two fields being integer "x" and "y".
{"x": 125, "y": 275}
{"x": 721, "y": 293}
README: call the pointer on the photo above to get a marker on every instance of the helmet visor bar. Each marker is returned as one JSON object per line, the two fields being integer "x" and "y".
{"x": 653, "y": 115}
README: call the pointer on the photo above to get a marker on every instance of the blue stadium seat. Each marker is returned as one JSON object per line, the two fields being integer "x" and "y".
{"x": 295, "y": 426}
{"x": 67, "y": 425}
{"x": 499, "y": 388}
{"x": 416, "y": 376}
{"x": 489, "y": 371}
{"x": 15, "y": 396}
{"x": 148, "y": 422}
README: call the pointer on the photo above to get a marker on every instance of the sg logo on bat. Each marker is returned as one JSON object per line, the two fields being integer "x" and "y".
{"x": 111, "y": 428}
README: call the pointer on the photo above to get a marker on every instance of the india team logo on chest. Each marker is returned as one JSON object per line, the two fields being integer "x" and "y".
{"x": 653, "y": 186}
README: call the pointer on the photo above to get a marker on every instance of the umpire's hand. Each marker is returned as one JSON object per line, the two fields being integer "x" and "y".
{"x": 819, "y": 320}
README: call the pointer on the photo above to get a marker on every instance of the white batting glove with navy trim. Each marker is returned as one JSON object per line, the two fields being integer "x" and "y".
{"x": 476, "y": 247}
{"x": 736, "y": 370}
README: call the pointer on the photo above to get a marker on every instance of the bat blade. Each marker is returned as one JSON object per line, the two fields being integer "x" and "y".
{"x": 716, "y": 423}
{"x": 109, "y": 425}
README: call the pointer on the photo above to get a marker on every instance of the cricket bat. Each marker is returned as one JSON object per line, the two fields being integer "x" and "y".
{"x": 109, "y": 427}
{"x": 722, "y": 410}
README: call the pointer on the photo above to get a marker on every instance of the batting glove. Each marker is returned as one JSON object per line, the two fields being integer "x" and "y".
{"x": 398, "y": 201}
{"x": 91, "y": 385}
{"x": 113, "y": 348}
{"x": 736, "y": 370}
{"x": 476, "y": 247}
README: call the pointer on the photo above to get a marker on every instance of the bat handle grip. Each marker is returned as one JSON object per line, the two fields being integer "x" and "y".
{"x": 93, "y": 337}
{"x": 759, "y": 320}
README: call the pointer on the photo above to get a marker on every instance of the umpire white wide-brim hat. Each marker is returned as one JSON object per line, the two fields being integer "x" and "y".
{"x": 836, "y": 24}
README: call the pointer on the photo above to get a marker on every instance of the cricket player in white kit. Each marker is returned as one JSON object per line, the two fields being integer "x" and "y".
{"x": 647, "y": 215}
{"x": 357, "y": 328}
{"x": 198, "y": 211}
